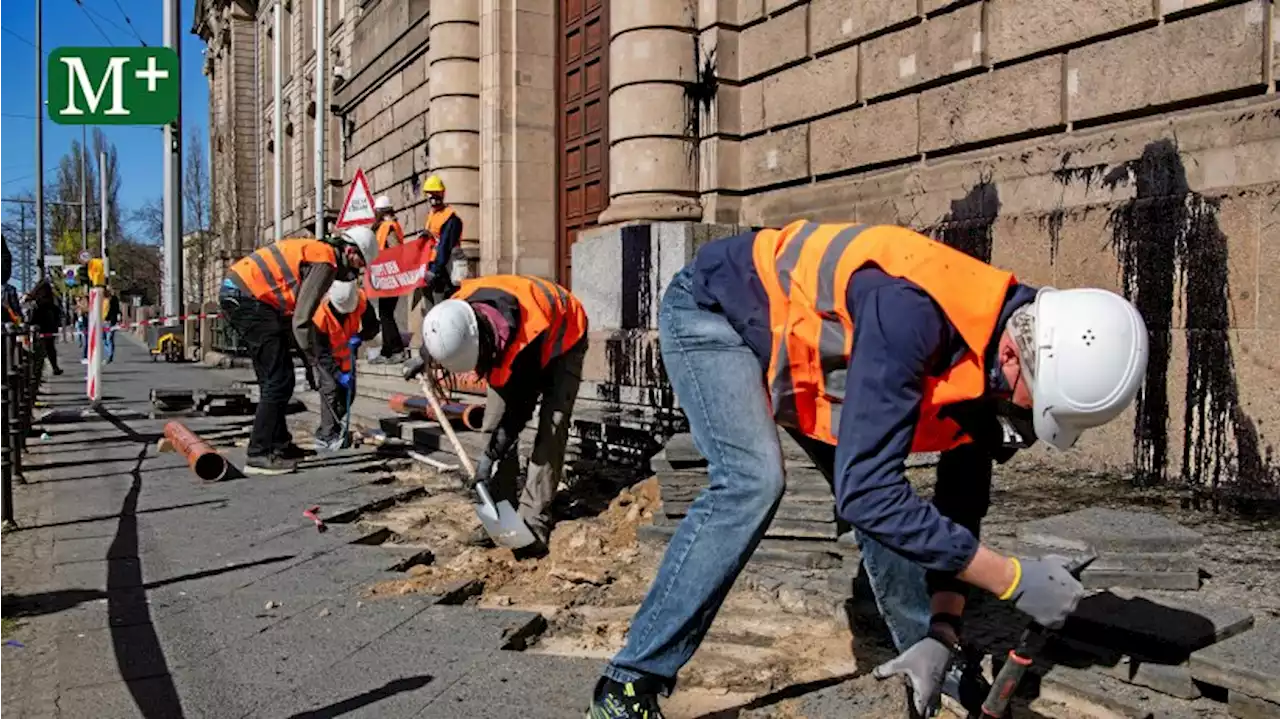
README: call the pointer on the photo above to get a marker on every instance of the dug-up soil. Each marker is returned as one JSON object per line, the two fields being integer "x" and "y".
{"x": 594, "y": 579}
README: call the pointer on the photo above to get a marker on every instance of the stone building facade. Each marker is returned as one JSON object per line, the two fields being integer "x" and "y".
{"x": 1129, "y": 144}
{"x": 229, "y": 66}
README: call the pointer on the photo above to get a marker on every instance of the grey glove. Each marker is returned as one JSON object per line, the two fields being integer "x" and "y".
{"x": 414, "y": 367}
{"x": 924, "y": 666}
{"x": 484, "y": 468}
{"x": 1046, "y": 591}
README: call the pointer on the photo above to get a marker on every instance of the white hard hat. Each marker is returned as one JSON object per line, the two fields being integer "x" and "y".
{"x": 451, "y": 335}
{"x": 345, "y": 296}
{"x": 382, "y": 203}
{"x": 363, "y": 238}
{"x": 1091, "y": 357}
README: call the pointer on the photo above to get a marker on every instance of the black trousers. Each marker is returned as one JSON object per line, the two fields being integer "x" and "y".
{"x": 267, "y": 333}
{"x": 391, "y": 340}
{"x": 50, "y": 345}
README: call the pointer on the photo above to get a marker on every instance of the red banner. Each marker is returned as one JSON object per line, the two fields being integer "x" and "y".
{"x": 399, "y": 270}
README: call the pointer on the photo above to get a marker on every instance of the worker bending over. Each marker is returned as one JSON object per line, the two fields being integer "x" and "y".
{"x": 389, "y": 234}
{"x": 266, "y": 296}
{"x": 527, "y": 338}
{"x": 872, "y": 342}
{"x": 343, "y": 324}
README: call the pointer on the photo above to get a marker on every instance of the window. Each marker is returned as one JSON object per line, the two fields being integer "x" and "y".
{"x": 286, "y": 193}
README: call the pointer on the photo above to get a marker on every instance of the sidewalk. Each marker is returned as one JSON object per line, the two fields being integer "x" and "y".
{"x": 140, "y": 591}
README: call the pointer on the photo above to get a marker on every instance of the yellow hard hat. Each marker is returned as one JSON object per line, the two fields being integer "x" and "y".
{"x": 432, "y": 184}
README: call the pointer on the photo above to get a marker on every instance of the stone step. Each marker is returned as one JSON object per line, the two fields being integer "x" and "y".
{"x": 772, "y": 551}
{"x": 779, "y": 528}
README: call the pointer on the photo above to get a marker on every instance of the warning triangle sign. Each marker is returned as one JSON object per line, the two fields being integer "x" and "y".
{"x": 358, "y": 208}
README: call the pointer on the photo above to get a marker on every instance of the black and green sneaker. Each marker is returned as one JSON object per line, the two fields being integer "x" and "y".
{"x": 623, "y": 700}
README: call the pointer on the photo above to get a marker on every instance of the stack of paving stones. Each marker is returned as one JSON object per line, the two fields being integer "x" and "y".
{"x": 1140, "y": 653}
{"x": 1138, "y": 550}
{"x": 805, "y": 530}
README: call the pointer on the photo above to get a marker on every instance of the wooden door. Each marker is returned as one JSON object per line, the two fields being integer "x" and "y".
{"x": 582, "y": 131}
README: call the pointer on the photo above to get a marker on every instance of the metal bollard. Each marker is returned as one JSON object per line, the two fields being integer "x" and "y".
{"x": 13, "y": 411}
{"x": 6, "y": 468}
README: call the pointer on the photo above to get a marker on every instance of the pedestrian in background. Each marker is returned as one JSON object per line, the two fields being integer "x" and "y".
{"x": 110, "y": 318}
{"x": 47, "y": 318}
{"x": 390, "y": 234}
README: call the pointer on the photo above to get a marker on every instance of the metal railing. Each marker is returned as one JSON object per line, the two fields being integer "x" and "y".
{"x": 23, "y": 364}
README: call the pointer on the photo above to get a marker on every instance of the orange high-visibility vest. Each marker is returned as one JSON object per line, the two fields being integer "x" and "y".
{"x": 806, "y": 269}
{"x": 545, "y": 307}
{"x": 435, "y": 223}
{"x": 273, "y": 273}
{"x": 339, "y": 331}
{"x": 385, "y": 228}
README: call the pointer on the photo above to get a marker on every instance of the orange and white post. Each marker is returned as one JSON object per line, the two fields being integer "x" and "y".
{"x": 93, "y": 378}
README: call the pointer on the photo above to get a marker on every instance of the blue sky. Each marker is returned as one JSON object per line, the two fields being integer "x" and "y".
{"x": 96, "y": 22}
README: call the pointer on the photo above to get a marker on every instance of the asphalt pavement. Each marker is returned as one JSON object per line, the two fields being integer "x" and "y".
{"x": 138, "y": 590}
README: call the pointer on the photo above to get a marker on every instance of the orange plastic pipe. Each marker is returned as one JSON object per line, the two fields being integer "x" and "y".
{"x": 470, "y": 416}
{"x": 204, "y": 461}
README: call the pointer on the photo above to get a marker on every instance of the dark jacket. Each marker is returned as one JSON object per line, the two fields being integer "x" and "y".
{"x": 901, "y": 337}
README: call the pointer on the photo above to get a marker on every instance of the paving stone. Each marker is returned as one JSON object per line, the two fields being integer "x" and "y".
{"x": 109, "y": 655}
{"x": 190, "y": 694}
{"x": 1157, "y": 629}
{"x": 1243, "y": 706}
{"x": 305, "y": 643}
{"x": 1105, "y": 692}
{"x": 1108, "y": 579}
{"x": 1172, "y": 679}
{"x": 531, "y": 686}
{"x": 1105, "y": 530}
{"x": 1248, "y": 663}
{"x": 394, "y": 676}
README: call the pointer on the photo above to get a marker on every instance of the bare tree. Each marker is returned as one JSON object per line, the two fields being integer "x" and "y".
{"x": 197, "y": 205}
{"x": 148, "y": 219}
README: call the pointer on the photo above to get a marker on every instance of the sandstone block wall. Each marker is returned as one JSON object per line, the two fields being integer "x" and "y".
{"x": 1128, "y": 144}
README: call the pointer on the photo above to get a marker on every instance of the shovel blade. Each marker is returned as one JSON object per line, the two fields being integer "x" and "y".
{"x": 501, "y": 521}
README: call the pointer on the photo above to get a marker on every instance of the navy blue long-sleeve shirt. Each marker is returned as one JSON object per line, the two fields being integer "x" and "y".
{"x": 901, "y": 337}
{"x": 450, "y": 236}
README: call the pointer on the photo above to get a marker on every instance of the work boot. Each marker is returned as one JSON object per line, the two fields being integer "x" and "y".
{"x": 479, "y": 538}
{"x": 270, "y": 465}
{"x": 292, "y": 451}
{"x": 618, "y": 700}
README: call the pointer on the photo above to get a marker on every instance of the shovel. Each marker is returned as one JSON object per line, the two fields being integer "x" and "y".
{"x": 500, "y": 519}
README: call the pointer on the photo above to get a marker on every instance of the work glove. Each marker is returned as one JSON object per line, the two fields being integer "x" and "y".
{"x": 1045, "y": 590}
{"x": 344, "y": 380}
{"x": 484, "y": 468}
{"x": 414, "y": 367}
{"x": 355, "y": 342}
{"x": 924, "y": 665}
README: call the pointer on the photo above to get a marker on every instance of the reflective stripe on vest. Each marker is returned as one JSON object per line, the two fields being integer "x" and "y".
{"x": 339, "y": 331}
{"x": 544, "y": 307}
{"x": 806, "y": 269}
{"x": 271, "y": 273}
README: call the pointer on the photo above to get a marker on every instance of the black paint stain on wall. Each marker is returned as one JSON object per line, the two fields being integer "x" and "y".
{"x": 968, "y": 226}
{"x": 1064, "y": 176}
{"x": 699, "y": 96}
{"x": 1172, "y": 250}
{"x": 637, "y": 276}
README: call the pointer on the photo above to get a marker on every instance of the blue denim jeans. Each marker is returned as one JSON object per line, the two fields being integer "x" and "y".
{"x": 109, "y": 341}
{"x": 718, "y": 381}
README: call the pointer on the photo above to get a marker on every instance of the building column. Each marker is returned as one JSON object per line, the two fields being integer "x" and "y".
{"x": 518, "y": 137}
{"x": 653, "y": 160}
{"x": 453, "y": 118}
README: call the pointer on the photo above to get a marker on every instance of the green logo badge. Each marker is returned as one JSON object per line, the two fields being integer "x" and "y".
{"x": 113, "y": 85}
